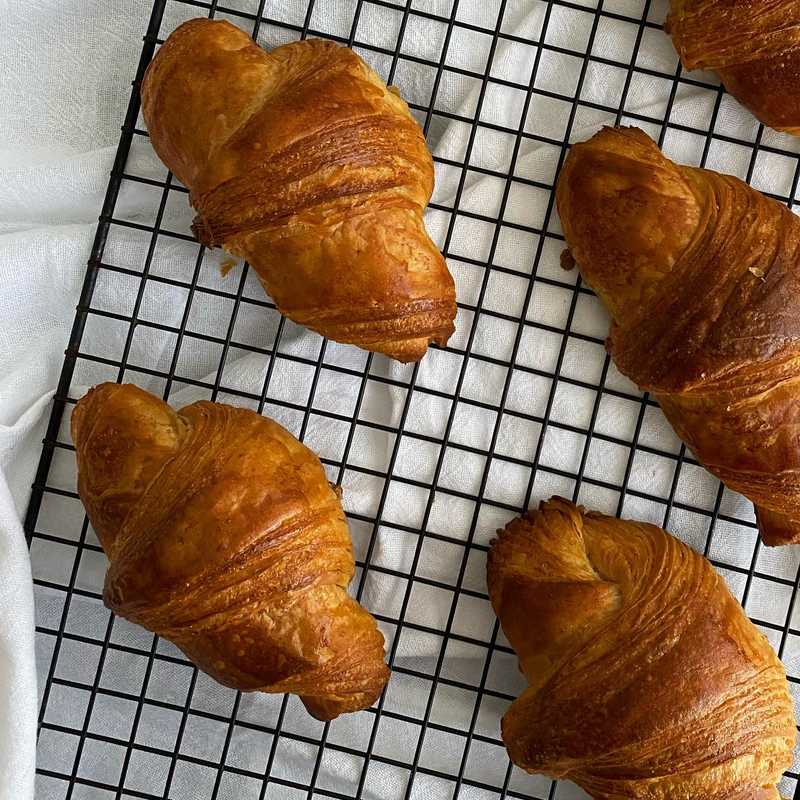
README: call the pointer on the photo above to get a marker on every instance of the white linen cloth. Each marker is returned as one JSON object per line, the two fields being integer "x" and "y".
{"x": 67, "y": 67}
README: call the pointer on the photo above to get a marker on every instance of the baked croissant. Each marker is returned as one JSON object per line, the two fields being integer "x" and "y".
{"x": 701, "y": 275}
{"x": 304, "y": 163}
{"x": 645, "y": 677}
{"x": 224, "y": 537}
{"x": 753, "y": 46}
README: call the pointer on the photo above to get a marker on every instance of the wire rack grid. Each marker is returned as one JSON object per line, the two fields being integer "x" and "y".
{"x": 123, "y": 714}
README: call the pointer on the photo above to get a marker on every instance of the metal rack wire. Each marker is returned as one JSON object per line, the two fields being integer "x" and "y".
{"x": 124, "y": 715}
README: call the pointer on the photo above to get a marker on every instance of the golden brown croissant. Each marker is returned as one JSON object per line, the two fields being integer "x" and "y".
{"x": 701, "y": 275}
{"x": 645, "y": 677}
{"x": 303, "y": 162}
{"x": 754, "y": 46}
{"x": 224, "y": 537}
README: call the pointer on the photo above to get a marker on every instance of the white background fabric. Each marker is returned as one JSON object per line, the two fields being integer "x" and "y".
{"x": 67, "y": 67}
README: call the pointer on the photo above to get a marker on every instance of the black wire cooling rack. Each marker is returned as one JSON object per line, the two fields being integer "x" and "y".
{"x": 124, "y": 715}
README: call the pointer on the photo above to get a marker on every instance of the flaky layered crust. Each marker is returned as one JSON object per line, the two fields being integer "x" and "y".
{"x": 700, "y": 274}
{"x": 754, "y": 45}
{"x": 224, "y": 536}
{"x": 646, "y": 679}
{"x": 304, "y": 163}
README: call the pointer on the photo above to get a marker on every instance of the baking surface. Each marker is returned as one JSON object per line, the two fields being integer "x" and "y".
{"x": 433, "y": 458}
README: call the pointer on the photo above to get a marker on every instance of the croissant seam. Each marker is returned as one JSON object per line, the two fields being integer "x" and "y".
{"x": 289, "y": 529}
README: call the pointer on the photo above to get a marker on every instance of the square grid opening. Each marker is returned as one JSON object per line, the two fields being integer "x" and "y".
{"x": 434, "y": 457}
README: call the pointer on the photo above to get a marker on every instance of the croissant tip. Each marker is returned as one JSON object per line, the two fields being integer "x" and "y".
{"x": 319, "y": 710}
{"x": 98, "y": 388}
{"x": 85, "y": 403}
{"x": 326, "y": 709}
{"x": 777, "y": 529}
{"x": 529, "y": 519}
{"x": 406, "y": 351}
{"x": 101, "y": 391}
{"x": 558, "y": 504}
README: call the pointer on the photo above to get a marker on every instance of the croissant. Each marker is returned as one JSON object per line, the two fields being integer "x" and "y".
{"x": 304, "y": 163}
{"x": 701, "y": 275}
{"x": 224, "y": 537}
{"x": 753, "y": 46}
{"x": 645, "y": 677}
